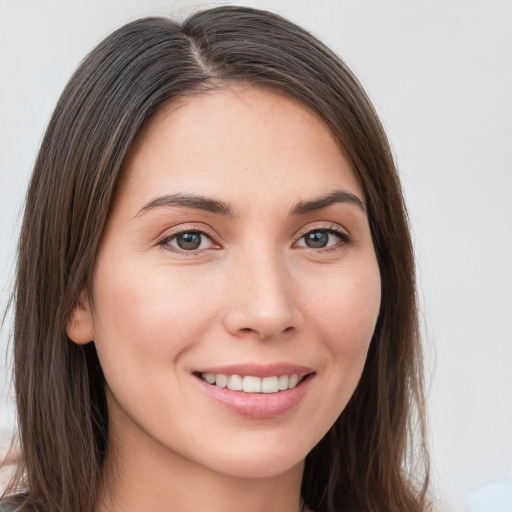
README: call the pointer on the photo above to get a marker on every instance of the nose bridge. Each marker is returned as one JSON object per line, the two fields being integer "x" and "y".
{"x": 260, "y": 296}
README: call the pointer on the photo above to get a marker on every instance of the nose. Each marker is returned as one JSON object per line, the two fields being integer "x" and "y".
{"x": 262, "y": 302}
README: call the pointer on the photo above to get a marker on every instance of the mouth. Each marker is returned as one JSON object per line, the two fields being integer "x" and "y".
{"x": 253, "y": 384}
{"x": 256, "y": 391}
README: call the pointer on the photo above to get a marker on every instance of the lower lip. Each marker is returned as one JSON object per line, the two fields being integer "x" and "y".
{"x": 257, "y": 405}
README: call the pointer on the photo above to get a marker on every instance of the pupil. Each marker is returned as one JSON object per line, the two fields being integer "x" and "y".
{"x": 317, "y": 240}
{"x": 189, "y": 241}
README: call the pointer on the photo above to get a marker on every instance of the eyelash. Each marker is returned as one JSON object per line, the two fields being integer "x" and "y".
{"x": 344, "y": 239}
{"x": 165, "y": 241}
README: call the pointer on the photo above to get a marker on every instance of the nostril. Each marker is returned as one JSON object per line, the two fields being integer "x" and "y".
{"x": 270, "y": 335}
{"x": 264, "y": 323}
{"x": 261, "y": 334}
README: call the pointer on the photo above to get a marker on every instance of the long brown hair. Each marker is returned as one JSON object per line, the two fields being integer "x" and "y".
{"x": 363, "y": 463}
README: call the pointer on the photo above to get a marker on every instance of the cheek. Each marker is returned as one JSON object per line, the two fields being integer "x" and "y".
{"x": 345, "y": 313}
{"x": 149, "y": 315}
{"x": 346, "y": 308}
{"x": 342, "y": 313}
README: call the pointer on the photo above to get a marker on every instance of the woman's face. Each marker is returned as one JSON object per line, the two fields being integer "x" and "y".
{"x": 237, "y": 254}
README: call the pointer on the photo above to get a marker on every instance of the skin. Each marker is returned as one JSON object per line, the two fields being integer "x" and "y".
{"x": 253, "y": 292}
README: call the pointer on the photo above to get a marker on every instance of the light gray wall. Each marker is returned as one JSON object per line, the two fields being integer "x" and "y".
{"x": 440, "y": 74}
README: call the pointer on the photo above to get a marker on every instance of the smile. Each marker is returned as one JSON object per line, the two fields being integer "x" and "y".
{"x": 251, "y": 383}
{"x": 255, "y": 391}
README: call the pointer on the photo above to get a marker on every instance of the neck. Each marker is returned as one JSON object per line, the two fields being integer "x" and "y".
{"x": 180, "y": 488}
{"x": 140, "y": 474}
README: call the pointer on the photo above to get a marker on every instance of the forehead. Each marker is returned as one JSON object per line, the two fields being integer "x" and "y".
{"x": 228, "y": 141}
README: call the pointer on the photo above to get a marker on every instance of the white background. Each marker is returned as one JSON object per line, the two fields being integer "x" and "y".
{"x": 440, "y": 75}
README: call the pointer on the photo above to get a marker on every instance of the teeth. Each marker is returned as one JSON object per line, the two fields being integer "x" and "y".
{"x": 221, "y": 381}
{"x": 270, "y": 385}
{"x": 294, "y": 380}
{"x": 235, "y": 383}
{"x": 251, "y": 384}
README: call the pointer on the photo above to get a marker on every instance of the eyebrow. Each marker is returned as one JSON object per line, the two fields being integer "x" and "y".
{"x": 338, "y": 196}
{"x": 215, "y": 206}
{"x": 189, "y": 201}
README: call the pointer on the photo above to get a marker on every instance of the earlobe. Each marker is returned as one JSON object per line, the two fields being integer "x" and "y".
{"x": 80, "y": 326}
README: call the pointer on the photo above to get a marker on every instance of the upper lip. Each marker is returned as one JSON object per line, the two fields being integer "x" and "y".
{"x": 259, "y": 370}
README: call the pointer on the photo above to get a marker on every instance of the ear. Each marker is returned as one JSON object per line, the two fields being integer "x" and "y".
{"x": 80, "y": 327}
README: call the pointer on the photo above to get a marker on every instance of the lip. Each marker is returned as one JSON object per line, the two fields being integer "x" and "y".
{"x": 258, "y": 405}
{"x": 259, "y": 370}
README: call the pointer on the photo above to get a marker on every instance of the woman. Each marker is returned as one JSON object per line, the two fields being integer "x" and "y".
{"x": 215, "y": 298}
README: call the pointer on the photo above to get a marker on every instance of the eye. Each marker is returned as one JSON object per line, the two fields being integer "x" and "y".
{"x": 322, "y": 238}
{"x": 188, "y": 241}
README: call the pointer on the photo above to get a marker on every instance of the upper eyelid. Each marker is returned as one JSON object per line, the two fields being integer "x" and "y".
{"x": 328, "y": 226}
{"x": 184, "y": 228}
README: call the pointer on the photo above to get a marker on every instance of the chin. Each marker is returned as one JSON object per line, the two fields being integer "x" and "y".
{"x": 261, "y": 468}
{"x": 259, "y": 460}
